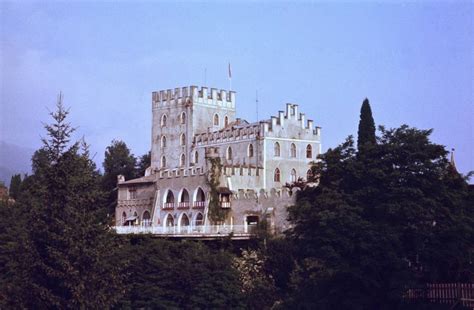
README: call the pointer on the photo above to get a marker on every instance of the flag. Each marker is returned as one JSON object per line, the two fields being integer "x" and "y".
{"x": 230, "y": 72}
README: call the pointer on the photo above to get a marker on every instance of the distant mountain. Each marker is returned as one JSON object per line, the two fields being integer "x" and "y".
{"x": 14, "y": 159}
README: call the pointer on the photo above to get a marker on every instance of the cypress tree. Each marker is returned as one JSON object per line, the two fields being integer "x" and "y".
{"x": 366, "y": 132}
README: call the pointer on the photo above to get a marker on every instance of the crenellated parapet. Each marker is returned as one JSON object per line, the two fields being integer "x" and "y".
{"x": 291, "y": 115}
{"x": 264, "y": 195}
{"x": 235, "y": 133}
{"x": 193, "y": 94}
{"x": 180, "y": 172}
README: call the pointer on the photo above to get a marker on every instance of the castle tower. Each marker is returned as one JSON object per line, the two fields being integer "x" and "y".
{"x": 180, "y": 113}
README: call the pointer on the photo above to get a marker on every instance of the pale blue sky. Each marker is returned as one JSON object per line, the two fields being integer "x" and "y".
{"x": 413, "y": 60}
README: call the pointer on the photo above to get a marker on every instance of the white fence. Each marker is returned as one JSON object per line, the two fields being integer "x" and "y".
{"x": 198, "y": 231}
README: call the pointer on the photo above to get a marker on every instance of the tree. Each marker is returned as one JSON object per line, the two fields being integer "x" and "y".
{"x": 179, "y": 275}
{"x": 15, "y": 184}
{"x": 377, "y": 223}
{"x": 68, "y": 255}
{"x": 143, "y": 163}
{"x": 118, "y": 160}
{"x": 366, "y": 132}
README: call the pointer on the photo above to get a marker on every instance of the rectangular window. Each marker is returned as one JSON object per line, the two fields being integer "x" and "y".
{"x": 132, "y": 193}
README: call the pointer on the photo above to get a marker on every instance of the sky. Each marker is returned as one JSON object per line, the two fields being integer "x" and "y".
{"x": 413, "y": 60}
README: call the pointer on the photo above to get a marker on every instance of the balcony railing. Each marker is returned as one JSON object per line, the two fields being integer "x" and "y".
{"x": 183, "y": 205}
{"x": 168, "y": 206}
{"x": 238, "y": 231}
{"x": 199, "y": 205}
{"x": 225, "y": 204}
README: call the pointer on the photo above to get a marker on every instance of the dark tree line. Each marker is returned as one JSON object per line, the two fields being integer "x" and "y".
{"x": 390, "y": 214}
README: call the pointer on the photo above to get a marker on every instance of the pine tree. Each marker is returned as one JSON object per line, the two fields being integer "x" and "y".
{"x": 366, "y": 132}
{"x": 69, "y": 253}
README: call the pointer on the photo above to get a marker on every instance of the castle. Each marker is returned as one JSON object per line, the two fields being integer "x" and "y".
{"x": 205, "y": 161}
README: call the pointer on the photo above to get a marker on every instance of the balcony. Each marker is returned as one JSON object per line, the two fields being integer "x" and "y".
{"x": 199, "y": 205}
{"x": 225, "y": 204}
{"x": 183, "y": 205}
{"x": 168, "y": 206}
{"x": 204, "y": 232}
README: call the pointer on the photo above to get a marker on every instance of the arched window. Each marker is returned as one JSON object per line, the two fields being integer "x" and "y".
{"x": 169, "y": 222}
{"x": 182, "y": 160}
{"x": 182, "y": 118}
{"x": 276, "y": 150}
{"x": 184, "y": 197}
{"x": 293, "y": 150}
{"x": 199, "y": 220}
{"x": 163, "y": 141}
{"x": 276, "y": 175}
{"x": 184, "y": 220}
{"x": 163, "y": 161}
{"x": 216, "y": 120}
{"x": 309, "y": 151}
{"x": 169, "y": 197}
{"x": 146, "y": 218}
{"x": 200, "y": 198}
{"x": 196, "y": 157}
{"x": 226, "y": 121}
{"x": 146, "y": 215}
{"x": 250, "y": 150}
{"x": 124, "y": 217}
{"x": 229, "y": 153}
{"x": 182, "y": 139}
{"x": 309, "y": 175}
{"x": 163, "y": 120}
{"x": 293, "y": 175}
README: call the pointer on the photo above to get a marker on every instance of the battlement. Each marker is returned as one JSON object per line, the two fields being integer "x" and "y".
{"x": 195, "y": 94}
{"x": 228, "y": 134}
{"x": 291, "y": 113}
{"x": 262, "y": 195}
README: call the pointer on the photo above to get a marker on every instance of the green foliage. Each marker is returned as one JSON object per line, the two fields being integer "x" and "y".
{"x": 118, "y": 160}
{"x": 366, "y": 132}
{"x": 257, "y": 284}
{"x": 15, "y": 184}
{"x": 143, "y": 163}
{"x": 216, "y": 214}
{"x": 179, "y": 275}
{"x": 66, "y": 257}
{"x": 379, "y": 221}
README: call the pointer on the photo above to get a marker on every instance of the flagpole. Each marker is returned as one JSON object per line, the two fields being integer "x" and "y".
{"x": 230, "y": 78}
